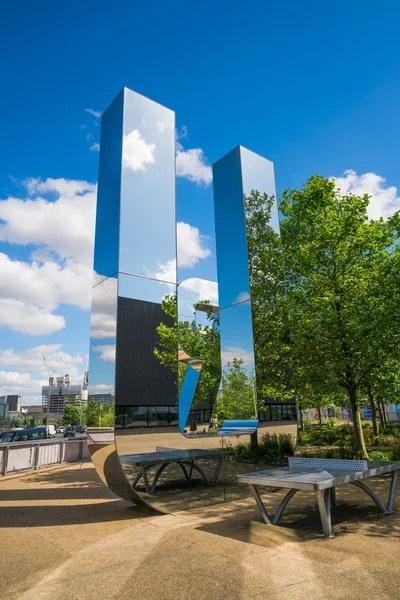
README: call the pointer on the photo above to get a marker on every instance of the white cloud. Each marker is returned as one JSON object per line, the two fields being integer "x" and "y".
{"x": 25, "y": 372}
{"x": 65, "y": 225}
{"x": 107, "y": 352}
{"x": 31, "y": 360}
{"x": 62, "y": 226}
{"x": 192, "y": 165}
{"x": 137, "y": 153}
{"x": 231, "y": 352}
{"x": 29, "y": 318}
{"x": 384, "y": 201}
{"x": 47, "y": 285}
{"x": 14, "y": 379}
{"x": 96, "y": 113}
{"x": 191, "y": 245}
{"x": 95, "y": 147}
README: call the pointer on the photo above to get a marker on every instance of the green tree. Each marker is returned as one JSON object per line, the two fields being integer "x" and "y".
{"x": 382, "y": 387}
{"x": 71, "y": 415}
{"x": 17, "y": 421}
{"x": 92, "y": 413}
{"x": 237, "y": 400}
{"x": 343, "y": 289}
{"x": 107, "y": 415}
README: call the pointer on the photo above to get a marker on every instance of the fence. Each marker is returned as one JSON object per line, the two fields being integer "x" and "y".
{"x": 19, "y": 456}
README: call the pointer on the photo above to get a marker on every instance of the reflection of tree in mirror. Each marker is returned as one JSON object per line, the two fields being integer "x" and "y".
{"x": 269, "y": 303}
{"x": 237, "y": 398}
{"x": 198, "y": 342}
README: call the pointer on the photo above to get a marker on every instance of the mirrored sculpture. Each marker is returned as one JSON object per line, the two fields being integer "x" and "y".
{"x": 182, "y": 365}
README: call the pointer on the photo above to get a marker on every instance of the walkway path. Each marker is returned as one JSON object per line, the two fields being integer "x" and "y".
{"x": 65, "y": 536}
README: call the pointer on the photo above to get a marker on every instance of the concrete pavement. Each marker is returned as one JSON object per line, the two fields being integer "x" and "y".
{"x": 64, "y": 535}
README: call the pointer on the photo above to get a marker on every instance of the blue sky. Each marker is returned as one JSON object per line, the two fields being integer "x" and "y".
{"x": 314, "y": 87}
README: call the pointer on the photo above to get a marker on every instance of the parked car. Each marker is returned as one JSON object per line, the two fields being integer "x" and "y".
{"x": 23, "y": 435}
{"x": 70, "y": 431}
{"x": 81, "y": 429}
{"x": 60, "y": 430}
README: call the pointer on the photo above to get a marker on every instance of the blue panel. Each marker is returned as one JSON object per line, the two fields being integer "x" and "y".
{"x": 186, "y": 395}
{"x": 230, "y": 230}
{"x": 108, "y": 195}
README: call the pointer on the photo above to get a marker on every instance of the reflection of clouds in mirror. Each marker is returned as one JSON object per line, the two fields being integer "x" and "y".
{"x": 165, "y": 272}
{"x": 231, "y": 352}
{"x": 191, "y": 248}
{"x": 106, "y": 351}
{"x": 104, "y": 318}
{"x": 201, "y": 289}
{"x": 191, "y": 291}
{"x": 143, "y": 288}
{"x": 102, "y": 326}
{"x": 242, "y": 297}
{"x": 101, "y": 388}
{"x": 162, "y": 125}
{"x": 137, "y": 153}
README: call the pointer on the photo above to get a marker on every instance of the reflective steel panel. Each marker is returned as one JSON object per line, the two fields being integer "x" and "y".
{"x": 253, "y": 325}
{"x": 198, "y": 356}
{"x": 163, "y": 348}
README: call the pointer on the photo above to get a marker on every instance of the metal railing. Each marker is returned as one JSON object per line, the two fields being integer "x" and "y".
{"x": 21, "y": 456}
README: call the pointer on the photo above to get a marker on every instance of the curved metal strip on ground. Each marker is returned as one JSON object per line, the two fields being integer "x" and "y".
{"x": 105, "y": 458}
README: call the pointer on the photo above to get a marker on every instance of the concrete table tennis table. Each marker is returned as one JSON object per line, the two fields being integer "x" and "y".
{"x": 322, "y": 476}
{"x": 164, "y": 457}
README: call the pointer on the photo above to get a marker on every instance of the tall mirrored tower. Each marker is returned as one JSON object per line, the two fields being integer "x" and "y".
{"x": 179, "y": 409}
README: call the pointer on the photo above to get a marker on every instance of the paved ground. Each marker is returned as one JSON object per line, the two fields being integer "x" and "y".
{"x": 64, "y": 535}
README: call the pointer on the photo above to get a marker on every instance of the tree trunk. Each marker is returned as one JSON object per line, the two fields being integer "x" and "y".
{"x": 319, "y": 415}
{"x": 384, "y": 412}
{"x": 378, "y": 406}
{"x": 375, "y": 424}
{"x": 358, "y": 430}
{"x": 301, "y": 420}
{"x": 254, "y": 440}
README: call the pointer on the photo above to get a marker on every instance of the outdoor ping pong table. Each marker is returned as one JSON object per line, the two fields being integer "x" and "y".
{"x": 321, "y": 475}
{"x": 163, "y": 457}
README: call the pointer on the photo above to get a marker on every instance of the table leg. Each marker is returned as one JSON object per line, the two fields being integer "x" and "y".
{"x": 217, "y": 470}
{"x": 282, "y": 505}
{"x": 324, "y": 505}
{"x": 371, "y": 494}
{"x": 333, "y": 496}
{"x": 145, "y": 479}
{"x": 260, "y": 504}
{"x": 392, "y": 493}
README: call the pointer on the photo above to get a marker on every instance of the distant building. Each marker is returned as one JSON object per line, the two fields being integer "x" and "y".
{"x": 102, "y": 398}
{"x": 13, "y": 401}
{"x": 32, "y": 409}
{"x": 61, "y": 392}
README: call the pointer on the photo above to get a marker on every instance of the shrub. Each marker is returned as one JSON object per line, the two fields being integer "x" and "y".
{"x": 376, "y": 455}
{"x": 271, "y": 446}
